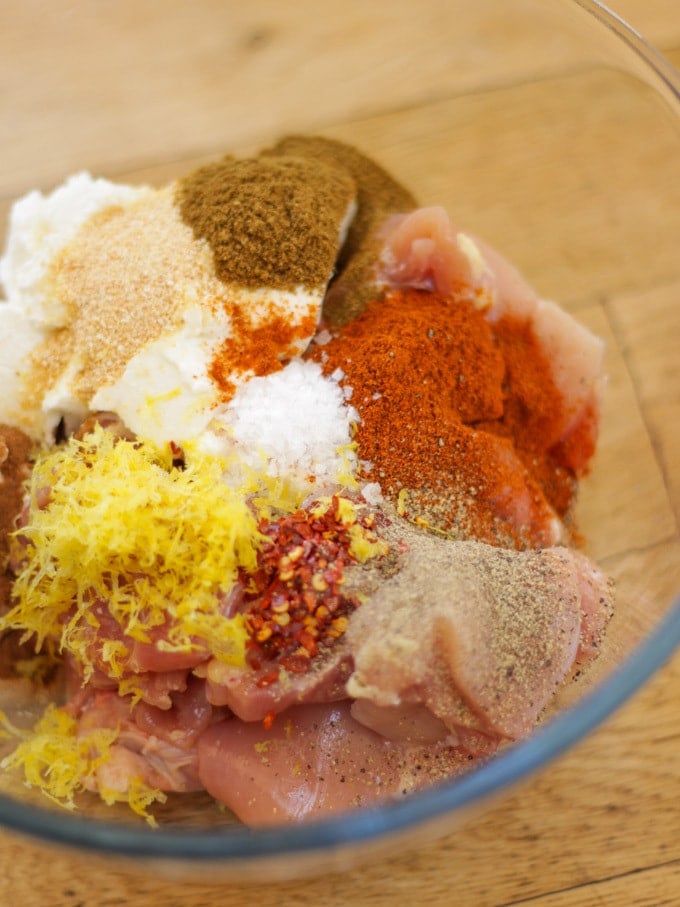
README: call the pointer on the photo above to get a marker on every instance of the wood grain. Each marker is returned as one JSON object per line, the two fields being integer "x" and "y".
{"x": 600, "y": 815}
{"x": 552, "y": 138}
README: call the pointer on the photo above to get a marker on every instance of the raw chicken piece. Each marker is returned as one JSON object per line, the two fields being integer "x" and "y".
{"x": 189, "y": 715}
{"x": 316, "y": 760}
{"x": 162, "y": 762}
{"x": 424, "y": 249}
{"x": 485, "y": 642}
{"x": 154, "y": 673}
{"x": 251, "y": 699}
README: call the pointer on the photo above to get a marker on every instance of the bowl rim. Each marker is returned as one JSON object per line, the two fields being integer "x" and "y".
{"x": 546, "y": 743}
{"x": 242, "y": 843}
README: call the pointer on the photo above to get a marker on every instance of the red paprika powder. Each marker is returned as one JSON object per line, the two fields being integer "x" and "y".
{"x": 458, "y": 417}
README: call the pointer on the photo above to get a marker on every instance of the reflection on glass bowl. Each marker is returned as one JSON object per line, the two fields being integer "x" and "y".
{"x": 578, "y": 69}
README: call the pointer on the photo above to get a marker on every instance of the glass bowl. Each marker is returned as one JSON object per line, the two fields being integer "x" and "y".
{"x": 539, "y": 128}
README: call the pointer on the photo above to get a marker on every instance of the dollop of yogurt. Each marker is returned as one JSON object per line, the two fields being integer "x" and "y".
{"x": 112, "y": 303}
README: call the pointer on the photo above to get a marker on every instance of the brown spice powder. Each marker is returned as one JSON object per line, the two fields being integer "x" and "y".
{"x": 123, "y": 280}
{"x": 15, "y": 453}
{"x": 269, "y": 222}
{"x": 378, "y": 196}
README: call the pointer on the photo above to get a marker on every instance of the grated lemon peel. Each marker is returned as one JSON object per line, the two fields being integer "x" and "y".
{"x": 157, "y": 544}
{"x": 117, "y": 523}
{"x": 62, "y": 763}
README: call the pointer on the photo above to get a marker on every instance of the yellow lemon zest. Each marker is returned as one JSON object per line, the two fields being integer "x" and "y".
{"x": 155, "y": 543}
{"x": 60, "y": 762}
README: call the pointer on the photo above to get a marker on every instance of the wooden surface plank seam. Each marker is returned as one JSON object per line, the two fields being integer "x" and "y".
{"x": 514, "y": 144}
{"x": 650, "y": 427}
{"x": 611, "y": 559}
{"x": 591, "y": 884}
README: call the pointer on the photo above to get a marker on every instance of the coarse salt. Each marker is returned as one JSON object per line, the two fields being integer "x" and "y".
{"x": 294, "y": 423}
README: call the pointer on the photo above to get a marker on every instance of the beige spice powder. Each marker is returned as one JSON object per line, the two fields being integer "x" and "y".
{"x": 123, "y": 280}
{"x": 500, "y": 622}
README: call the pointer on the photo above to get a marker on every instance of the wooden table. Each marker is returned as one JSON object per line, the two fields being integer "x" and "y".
{"x": 601, "y": 826}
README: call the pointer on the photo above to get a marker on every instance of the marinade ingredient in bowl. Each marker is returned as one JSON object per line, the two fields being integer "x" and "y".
{"x": 288, "y": 473}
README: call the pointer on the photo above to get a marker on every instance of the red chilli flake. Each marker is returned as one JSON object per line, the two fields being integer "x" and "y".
{"x": 297, "y": 606}
{"x": 268, "y": 720}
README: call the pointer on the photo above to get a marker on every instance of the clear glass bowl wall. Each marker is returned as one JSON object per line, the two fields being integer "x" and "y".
{"x": 542, "y": 138}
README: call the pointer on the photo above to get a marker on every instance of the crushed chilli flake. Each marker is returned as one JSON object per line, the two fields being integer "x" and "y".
{"x": 297, "y": 604}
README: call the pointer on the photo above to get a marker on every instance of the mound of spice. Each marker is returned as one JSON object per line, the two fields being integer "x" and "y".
{"x": 378, "y": 196}
{"x": 15, "y": 464}
{"x": 15, "y": 451}
{"x": 457, "y": 417}
{"x": 298, "y": 602}
{"x": 270, "y": 222}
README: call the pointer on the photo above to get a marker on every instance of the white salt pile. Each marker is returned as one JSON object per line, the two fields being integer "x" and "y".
{"x": 294, "y": 423}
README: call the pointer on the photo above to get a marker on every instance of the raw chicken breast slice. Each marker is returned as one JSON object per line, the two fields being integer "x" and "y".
{"x": 137, "y": 754}
{"x": 424, "y": 249}
{"x": 484, "y": 642}
{"x": 316, "y": 760}
{"x": 243, "y": 690}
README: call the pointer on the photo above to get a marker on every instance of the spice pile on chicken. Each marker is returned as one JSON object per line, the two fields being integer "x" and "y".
{"x": 288, "y": 472}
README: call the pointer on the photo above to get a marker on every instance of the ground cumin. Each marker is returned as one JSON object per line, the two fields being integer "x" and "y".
{"x": 378, "y": 196}
{"x": 456, "y": 416}
{"x": 270, "y": 221}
